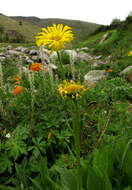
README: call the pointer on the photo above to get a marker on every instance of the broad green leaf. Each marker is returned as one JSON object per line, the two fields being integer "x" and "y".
{"x": 2, "y": 187}
{"x": 68, "y": 178}
{"x": 5, "y": 164}
{"x": 127, "y": 188}
{"x": 16, "y": 148}
{"x": 103, "y": 159}
{"x": 37, "y": 184}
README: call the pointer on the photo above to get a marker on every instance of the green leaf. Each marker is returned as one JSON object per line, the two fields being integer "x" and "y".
{"x": 103, "y": 166}
{"x": 7, "y": 188}
{"x": 16, "y": 148}
{"x": 37, "y": 183}
{"x": 21, "y": 172}
{"x": 94, "y": 180}
{"x": 127, "y": 188}
{"x": 103, "y": 159}
{"x": 68, "y": 178}
{"x": 5, "y": 164}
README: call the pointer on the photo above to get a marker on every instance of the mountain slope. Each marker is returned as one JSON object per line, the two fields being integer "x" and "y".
{"x": 27, "y": 29}
{"x": 118, "y": 41}
{"x": 80, "y": 28}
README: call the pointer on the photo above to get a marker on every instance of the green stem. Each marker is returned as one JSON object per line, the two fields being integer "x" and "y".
{"x": 77, "y": 136}
{"x": 61, "y": 66}
{"x": 99, "y": 139}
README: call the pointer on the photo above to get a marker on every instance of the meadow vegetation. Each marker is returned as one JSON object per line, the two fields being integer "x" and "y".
{"x": 57, "y": 133}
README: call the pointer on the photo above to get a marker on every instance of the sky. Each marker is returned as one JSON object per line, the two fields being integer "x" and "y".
{"x": 96, "y": 11}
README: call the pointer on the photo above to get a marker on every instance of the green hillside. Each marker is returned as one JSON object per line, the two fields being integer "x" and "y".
{"x": 114, "y": 49}
{"x": 118, "y": 42}
{"x": 80, "y": 28}
{"x": 26, "y": 29}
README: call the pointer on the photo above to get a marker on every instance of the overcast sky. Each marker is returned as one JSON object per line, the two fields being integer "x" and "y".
{"x": 97, "y": 11}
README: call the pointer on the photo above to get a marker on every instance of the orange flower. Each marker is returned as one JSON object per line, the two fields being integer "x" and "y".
{"x": 17, "y": 90}
{"x": 109, "y": 70}
{"x": 18, "y": 78}
{"x": 36, "y": 67}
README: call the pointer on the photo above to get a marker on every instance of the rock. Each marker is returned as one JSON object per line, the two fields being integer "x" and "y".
{"x": 9, "y": 47}
{"x": 52, "y": 66}
{"x": 13, "y": 52}
{"x": 2, "y": 58}
{"x": 98, "y": 63}
{"x": 35, "y": 58}
{"x": 22, "y": 49}
{"x": 98, "y": 57}
{"x": 25, "y": 59}
{"x": 29, "y": 61}
{"x": 82, "y": 49}
{"x": 82, "y": 56}
{"x": 127, "y": 73}
{"x": 95, "y": 75}
{"x": 44, "y": 55}
{"x": 25, "y": 69}
{"x": 105, "y": 36}
{"x": 33, "y": 52}
{"x": 18, "y": 48}
{"x": 2, "y": 54}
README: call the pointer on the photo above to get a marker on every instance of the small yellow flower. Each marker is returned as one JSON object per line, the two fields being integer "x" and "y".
{"x": 130, "y": 53}
{"x": 71, "y": 89}
{"x": 55, "y": 37}
{"x": 50, "y": 135}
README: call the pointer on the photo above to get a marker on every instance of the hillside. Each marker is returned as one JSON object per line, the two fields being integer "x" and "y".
{"x": 118, "y": 41}
{"x": 29, "y": 26}
{"x": 27, "y": 29}
{"x": 80, "y": 28}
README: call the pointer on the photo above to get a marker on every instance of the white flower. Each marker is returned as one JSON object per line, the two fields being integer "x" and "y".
{"x": 8, "y": 135}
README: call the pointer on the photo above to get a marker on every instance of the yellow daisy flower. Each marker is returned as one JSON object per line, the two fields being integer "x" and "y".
{"x": 71, "y": 89}
{"x": 55, "y": 37}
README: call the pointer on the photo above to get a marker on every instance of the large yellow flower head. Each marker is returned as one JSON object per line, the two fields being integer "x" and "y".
{"x": 71, "y": 89}
{"x": 55, "y": 37}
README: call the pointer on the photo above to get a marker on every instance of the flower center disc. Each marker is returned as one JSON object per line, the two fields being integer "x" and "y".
{"x": 56, "y": 38}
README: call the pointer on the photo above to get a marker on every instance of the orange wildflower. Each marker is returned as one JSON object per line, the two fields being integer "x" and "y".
{"x": 17, "y": 90}
{"x": 36, "y": 67}
{"x": 109, "y": 70}
{"x": 18, "y": 78}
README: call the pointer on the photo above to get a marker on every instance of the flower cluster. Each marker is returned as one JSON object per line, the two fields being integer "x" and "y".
{"x": 55, "y": 37}
{"x": 17, "y": 90}
{"x": 36, "y": 67}
{"x": 71, "y": 89}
